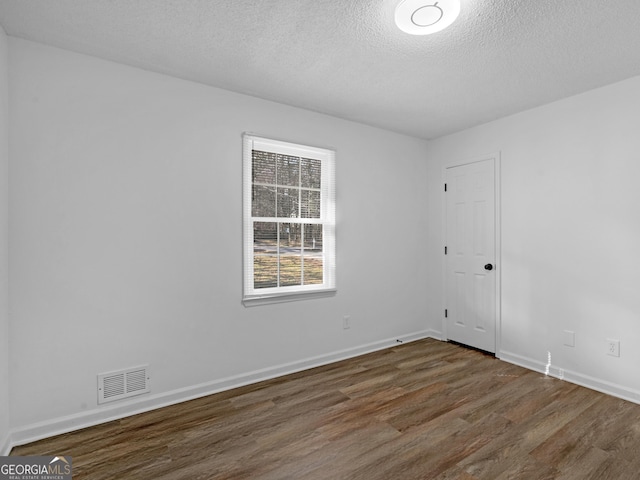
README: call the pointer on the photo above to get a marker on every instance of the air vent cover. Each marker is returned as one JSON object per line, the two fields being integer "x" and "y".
{"x": 123, "y": 384}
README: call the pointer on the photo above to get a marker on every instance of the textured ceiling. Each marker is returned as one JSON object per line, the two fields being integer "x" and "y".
{"x": 348, "y": 59}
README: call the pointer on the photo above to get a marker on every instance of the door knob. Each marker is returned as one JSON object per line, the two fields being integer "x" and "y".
{"x": 488, "y": 266}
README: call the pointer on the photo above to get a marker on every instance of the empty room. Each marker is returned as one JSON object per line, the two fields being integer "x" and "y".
{"x": 272, "y": 239}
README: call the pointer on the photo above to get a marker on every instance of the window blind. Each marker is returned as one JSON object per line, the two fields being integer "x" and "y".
{"x": 288, "y": 220}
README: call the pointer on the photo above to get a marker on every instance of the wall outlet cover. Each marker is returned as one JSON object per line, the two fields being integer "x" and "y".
{"x": 569, "y": 338}
{"x": 613, "y": 347}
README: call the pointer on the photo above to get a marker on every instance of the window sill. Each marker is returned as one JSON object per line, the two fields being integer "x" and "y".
{"x": 254, "y": 301}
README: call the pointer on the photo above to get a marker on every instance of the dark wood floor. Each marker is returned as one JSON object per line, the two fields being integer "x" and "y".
{"x": 424, "y": 410}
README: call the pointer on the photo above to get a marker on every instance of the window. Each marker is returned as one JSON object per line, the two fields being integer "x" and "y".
{"x": 289, "y": 221}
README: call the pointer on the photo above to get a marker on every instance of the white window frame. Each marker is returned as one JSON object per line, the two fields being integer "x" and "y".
{"x": 257, "y": 296}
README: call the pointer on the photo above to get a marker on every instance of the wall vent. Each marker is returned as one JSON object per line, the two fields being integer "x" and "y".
{"x": 123, "y": 384}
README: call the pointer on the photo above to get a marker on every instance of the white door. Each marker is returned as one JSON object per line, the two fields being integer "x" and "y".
{"x": 471, "y": 254}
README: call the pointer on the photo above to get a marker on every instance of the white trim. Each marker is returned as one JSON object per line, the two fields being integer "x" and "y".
{"x": 252, "y": 296}
{"x": 496, "y": 157}
{"x": 570, "y": 376}
{"x": 436, "y": 335}
{"x": 498, "y": 245}
{"x": 5, "y": 445}
{"x": 286, "y": 297}
{"x": 110, "y": 412}
{"x": 270, "y": 138}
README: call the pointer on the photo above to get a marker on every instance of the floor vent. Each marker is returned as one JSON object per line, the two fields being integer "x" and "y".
{"x": 123, "y": 384}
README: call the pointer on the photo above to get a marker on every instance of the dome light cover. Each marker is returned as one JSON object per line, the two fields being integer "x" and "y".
{"x": 422, "y": 17}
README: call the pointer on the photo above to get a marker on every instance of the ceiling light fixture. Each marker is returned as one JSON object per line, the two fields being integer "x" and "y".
{"x": 422, "y": 17}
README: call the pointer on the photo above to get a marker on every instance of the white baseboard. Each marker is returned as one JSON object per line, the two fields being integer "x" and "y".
{"x": 587, "y": 381}
{"x": 103, "y": 414}
{"x": 436, "y": 334}
{"x": 5, "y": 446}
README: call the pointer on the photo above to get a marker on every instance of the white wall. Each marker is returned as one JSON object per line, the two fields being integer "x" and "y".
{"x": 570, "y": 232}
{"x": 4, "y": 256}
{"x": 125, "y": 238}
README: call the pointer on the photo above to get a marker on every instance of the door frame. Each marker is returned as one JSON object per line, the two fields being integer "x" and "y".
{"x": 498, "y": 241}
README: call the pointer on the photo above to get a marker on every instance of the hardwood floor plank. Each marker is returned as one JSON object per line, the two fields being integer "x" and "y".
{"x": 622, "y": 437}
{"x": 514, "y": 446}
{"x": 423, "y": 410}
{"x": 529, "y": 469}
{"x": 579, "y": 433}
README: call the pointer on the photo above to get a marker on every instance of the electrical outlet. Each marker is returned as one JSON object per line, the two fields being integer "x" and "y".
{"x": 346, "y": 322}
{"x": 613, "y": 347}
